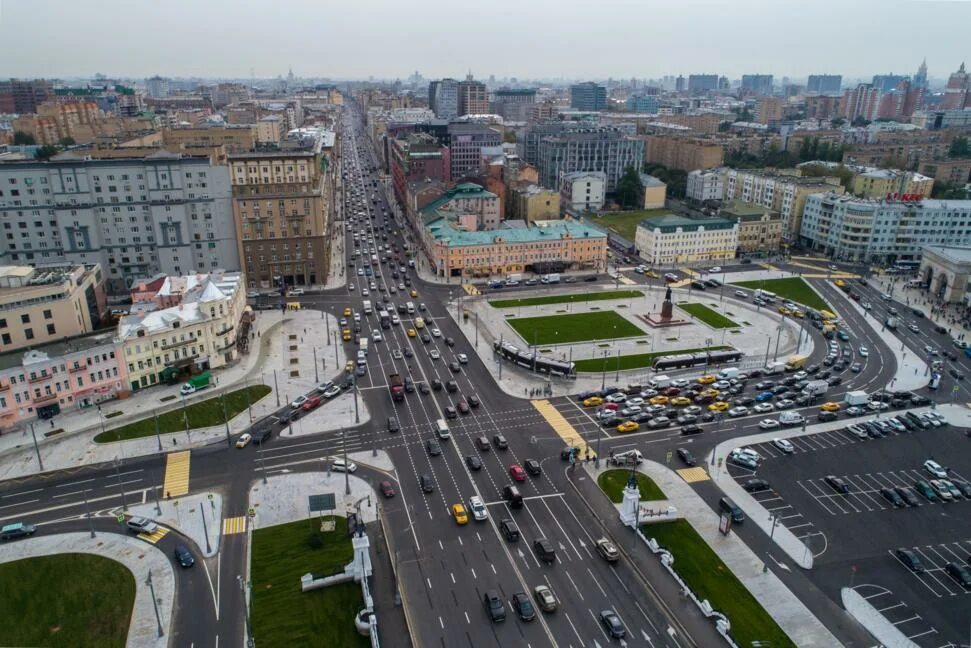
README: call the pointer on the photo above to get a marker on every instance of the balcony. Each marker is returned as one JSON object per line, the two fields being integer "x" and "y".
{"x": 224, "y": 332}
{"x": 230, "y": 345}
{"x": 41, "y": 378}
{"x": 77, "y": 368}
{"x": 4, "y": 388}
{"x": 175, "y": 345}
{"x": 45, "y": 399}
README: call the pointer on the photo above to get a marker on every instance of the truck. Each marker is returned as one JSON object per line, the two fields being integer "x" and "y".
{"x": 775, "y": 367}
{"x": 659, "y": 382}
{"x": 816, "y": 387}
{"x": 385, "y": 319}
{"x": 195, "y": 383}
{"x": 856, "y": 398}
{"x": 367, "y": 307}
{"x": 891, "y": 323}
{"x": 397, "y": 387}
{"x": 514, "y": 278}
{"x": 550, "y": 278}
{"x": 796, "y": 362}
{"x": 364, "y": 344}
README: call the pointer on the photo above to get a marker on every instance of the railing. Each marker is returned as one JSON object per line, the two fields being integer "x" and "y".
{"x": 41, "y": 378}
{"x": 225, "y": 331}
{"x": 176, "y": 344}
{"x": 77, "y": 368}
{"x": 45, "y": 399}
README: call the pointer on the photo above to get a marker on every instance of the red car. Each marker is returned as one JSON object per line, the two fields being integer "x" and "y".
{"x": 671, "y": 391}
{"x": 387, "y": 489}
{"x": 311, "y": 403}
{"x": 611, "y": 406}
{"x": 517, "y": 472}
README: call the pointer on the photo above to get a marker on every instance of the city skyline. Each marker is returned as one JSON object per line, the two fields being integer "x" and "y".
{"x": 137, "y": 41}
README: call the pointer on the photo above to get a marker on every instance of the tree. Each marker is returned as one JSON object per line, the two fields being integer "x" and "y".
{"x": 20, "y": 137}
{"x": 837, "y": 122}
{"x": 630, "y": 191}
{"x": 509, "y": 137}
{"x": 948, "y": 191}
{"x": 67, "y": 141}
{"x": 959, "y": 148}
{"x": 860, "y": 121}
{"x": 46, "y": 152}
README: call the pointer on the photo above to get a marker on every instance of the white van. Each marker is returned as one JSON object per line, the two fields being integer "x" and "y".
{"x": 728, "y": 373}
{"x": 441, "y": 429}
{"x": 411, "y": 308}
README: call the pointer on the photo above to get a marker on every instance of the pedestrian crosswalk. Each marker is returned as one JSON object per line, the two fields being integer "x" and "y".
{"x": 177, "y": 474}
{"x": 234, "y": 525}
{"x": 692, "y": 475}
{"x": 563, "y": 428}
{"x": 471, "y": 289}
{"x": 152, "y": 538}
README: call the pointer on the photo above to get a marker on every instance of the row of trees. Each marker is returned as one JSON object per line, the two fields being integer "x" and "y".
{"x": 45, "y": 152}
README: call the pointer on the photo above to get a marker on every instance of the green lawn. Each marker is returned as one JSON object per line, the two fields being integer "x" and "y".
{"x": 578, "y": 327}
{"x": 634, "y": 361}
{"x": 612, "y": 483}
{"x": 708, "y": 315}
{"x": 792, "y": 288}
{"x": 71, "y": 600}
{"x": 282, "y": 614}
{"x": 709, "y": 578}
{"x": 202, "y": 414}
{"x": 625, "y": 223}
{"x": 564, "y": 299}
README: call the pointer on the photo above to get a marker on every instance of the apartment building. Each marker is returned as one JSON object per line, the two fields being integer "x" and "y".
{"x": 824, "y": 83}
{"x": 683, "y": 152}
{"x": 282, "y": 205}
{"x": 134, "y": 217}
{"x": 769, "y": 110}
{"x": 673, "y": 239}
{"x": 235, "y": 139}
{"x": 20, "y": 97}
{"x": 759, "y": 228}
{"x": 196, "y": 322}
{"x": 467, "y": 203}
{"x": 530, "y": 202}
{"x": 473, "y": 98}
{"x": 956, "y": 171}
{"x": 605, "y": 149}
{"x": 757, "y": 84}
{"x": 270, "y": 129}
{"x": 781, "y": 191}
{"x": 582, "y": 191}
{"x": 882, "y": 231}
{"x": 417, "y": 156}
{"x": 705, "y": 184}
{"x": 878, "y": 183}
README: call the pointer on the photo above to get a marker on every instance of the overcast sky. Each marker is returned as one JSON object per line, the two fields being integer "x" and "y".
{"x": 522, "y": 38}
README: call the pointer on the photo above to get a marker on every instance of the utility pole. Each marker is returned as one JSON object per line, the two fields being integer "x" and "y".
{"x": 87, "y": 512}
{"x": 36, "y": 449}
{"x": 316, "y": 374}
{"x": 158, "y": 432}
{"x": 151, "y": 588}
{"x": 185, "y": 417}
{"x": 357, "y": 413}
{"x": 222, "y": 399}
{"x": 347, "y": 482}
{"x": 276, "y": 388}
{"x": 205, "y": 530}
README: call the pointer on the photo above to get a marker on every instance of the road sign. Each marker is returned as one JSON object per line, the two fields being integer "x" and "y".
{"x": 120, "y": 517}
{"x": 668, "y": 456}
{"x": 324, "y": 502}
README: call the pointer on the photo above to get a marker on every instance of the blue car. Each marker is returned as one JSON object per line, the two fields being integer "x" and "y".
{"x": 764, "y": 396}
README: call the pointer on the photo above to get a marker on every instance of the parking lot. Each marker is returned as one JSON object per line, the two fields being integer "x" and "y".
{"x": 855, "y": 534}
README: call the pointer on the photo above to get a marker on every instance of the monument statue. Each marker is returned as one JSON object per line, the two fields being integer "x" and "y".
{"x": 667, "y": 308}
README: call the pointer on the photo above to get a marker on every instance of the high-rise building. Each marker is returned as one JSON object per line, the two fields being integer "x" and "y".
{"x": 957, "y": 94}
{"x": 642, "y": 103}
{"x": 443, "y": 98}
{"x": 588, "y": 96}
{"x": 824, "y": 83}
{"x": 680, "y": 84}
{"x": 702, "y": 82}
{"x": 136, "y": 217}
{"x": 513, "y": 104}
{"x": 24, "y": 96}
{"x": 466, "y": 141}
{"x": 473, "y": 98}
{"x": 757, "y": 84}
{"x": 920, "y": 79}
{"x": 863, "y": 101}
{"x": 769, "y": 110}
{"x": 604, "y": 149}
{"x": 157, "y": 87}
{"x": 887, "y": 82}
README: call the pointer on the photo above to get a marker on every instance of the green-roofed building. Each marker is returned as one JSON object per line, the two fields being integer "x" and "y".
{"x": 670, "y": 239}
{"x": 473, "y": 207}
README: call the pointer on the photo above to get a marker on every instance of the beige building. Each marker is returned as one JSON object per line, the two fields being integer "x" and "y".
{"x": 40, "y": 305}
{"x": 673, "y": 239}
{"x": 782, "y": 191}
{"x": 682, "y": 152}
{"x": 235, "y": 139}
{"x": 531, "y": 203}
{"x": 194, "y": 323}
{"x": 878, "y": 183}
{"x": 270, "y": 129}
{"x": 759, "y": 228}
{"x": 282, "y": 207}
{"x": 655, "y": 192}
{"x": 957, "y": 171}
{"x": 769, "y": 110}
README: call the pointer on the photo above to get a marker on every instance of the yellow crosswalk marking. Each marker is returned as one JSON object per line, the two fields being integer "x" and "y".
{"x": 177, "y": 473}
{"x": 563, "y": 428}
{"x": 152, "y": 538}
{"x": 769, "y": 266}
{"x": 234, "y": 525}
{"x": 471, "y": 289}
{"x": 691, "y": 475}
{"x": 626, "y": 280}
{"x": 689, "y": 272}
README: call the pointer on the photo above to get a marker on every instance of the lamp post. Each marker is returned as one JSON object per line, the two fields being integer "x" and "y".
{"x": 151, "y": 588}
{"x": 347, "y": 482}
{"x": 158, "y": 432}
{"x": 40, "y": 463}
{"x": 222, "y": 399}
{"x": 250, "y": 641}
{"x": 603, "y": 374}
{"x": 87, "y": 512}
{"x": 185, "y": 418}
{"x": 316, "y": 374}
{"x": 775, "y": 520}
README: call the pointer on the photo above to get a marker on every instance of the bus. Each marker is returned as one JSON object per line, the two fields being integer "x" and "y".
{"x": 685, "y": 360}
{"x": 385, "y": 319}
{"x": 534, "y": 361}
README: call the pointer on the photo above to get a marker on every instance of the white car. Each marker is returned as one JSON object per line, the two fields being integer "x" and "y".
{"x": 636, "y": 400}
{"x": 784, "y": 445}
{"x": 351, "y": 287}
{"x": 243, "y": 440}
{"x": 339, "y": 465}
{"x": 738, "y": 411}
{"x": 434, "y": 354}
{"x": 679, "y": 383}
{"x": 618, "y": 397}
{"x": 365, "y": 292}
{"x": 395, "y": 320}
{"x": 864, "y": 352}
{"x": 298, "y": 402}
{"x": 929, "y": 350}
{"x": 741, "y": 293}
{"x": 436, "y": 333}
{"x": 935, "y": 469}
{"x": 376, "y": 335}
{"x": 762, "y": 408}
{"x": 752, "y": 455}
{"x": 715, "y": 269}
{"x": 479, "y": 510}
{"x": 331, "y": 391}
{"x": 768, "y": 424}
{"x": 462, "y": 358}
{"x": 296, "y": 292}
{"x": 877, "y": 406}
{"x": 799, "y": 375}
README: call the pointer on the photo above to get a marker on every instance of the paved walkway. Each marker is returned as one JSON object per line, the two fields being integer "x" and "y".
{"x": 778, "y": 600}
{"x": 140, "y": 559}
{"x": 197, "y": 516}
{"x": 283, "y": 498}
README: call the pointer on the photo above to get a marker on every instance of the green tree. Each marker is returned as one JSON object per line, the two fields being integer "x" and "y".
{"x": 509, "y": 137}
{"x": 67, "y": 141}
{"x": 20, "y": 137}
{"x": 630, "y": 191}
{"x": 860, "y": 121}
{"x": 948, "y": 191}
{"x": 837, "y": 122}
{"x": 959, "y": 148}
{"x": 46, "y": 152}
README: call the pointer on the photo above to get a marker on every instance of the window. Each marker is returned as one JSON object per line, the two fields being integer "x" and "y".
{"x": 25, "y": 318}
{"x": 29, "y": 333}
{"x": 48, "y": 314}
{"x": 6, "y": 338}
{"x": 50, "y": 329}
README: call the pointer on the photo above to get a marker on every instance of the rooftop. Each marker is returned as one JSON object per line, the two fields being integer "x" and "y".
{"x": 650, "y": 181}
{"x": 953, "y": 254}
{"x": 670, "y": 222}
{"x": 195, "y": 290}
{"x": 745, "y": 211}
{"x": 444, "y": 230}
{"x": 464, "y": 190}
{"x": 56, "y": 349}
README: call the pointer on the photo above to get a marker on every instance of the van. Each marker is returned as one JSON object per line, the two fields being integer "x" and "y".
{"x": 728, "y": 373}
{"x": 410, "y": 306}
{"x": 728, "y": 506}
{"x": 441, "y": 429}
{"x": 627, "y": 458}
{"x": 512, "y": 496}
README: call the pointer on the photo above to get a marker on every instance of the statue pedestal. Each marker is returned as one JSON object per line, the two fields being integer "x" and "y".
{"x": 629, "y": 514}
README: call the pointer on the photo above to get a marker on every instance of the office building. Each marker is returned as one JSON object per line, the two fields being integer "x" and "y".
{"x": 588, "y": 96}
{"x": 785, "y": 192}
{"x": 757, "y": 84}
{"x": 641, "y": 103}
{"x": 135, "y": 217}
{"x": 880, "y": 231}
{"x": 824, "y": 83}
{"x": 705, "y": 184}
{"x": 473, "y": 98}
{"x": 698, "y": 83}
{"x": 282, "y": 205}
{"x": 759, "y": 229}
{"x": 465, "y": 143}
{"x": 417, "y": 156}
{"x": 942, "y": 119}
{"x": 49, "y": 303}
{"x": 683, "y": 152}
{"x": 673, "y": 239}
{"x": 157, "y": 87}
{"x": 606, "y": 149}
{"x": 887, "y": 82}
{"x": 582, "y": 191}
{"x": 513, "y": 104}
{"x": 22, "y": 97}
{"x": 443, "y": 98}
{"x": 193, "y": 323}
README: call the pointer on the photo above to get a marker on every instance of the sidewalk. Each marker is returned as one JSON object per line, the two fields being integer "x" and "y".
{"x": 779, "y": 602}
{"x": 197, "y": 516}
{"x": 916, "y": 297}
{"x": 139, "y": 558}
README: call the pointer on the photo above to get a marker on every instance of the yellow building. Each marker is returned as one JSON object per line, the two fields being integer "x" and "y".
{"x": 672, "y": 239}
{"x": 533, "y": 203}
{"x": 877, "y": 183}
{"x": 270, "y": 129}
{"x": 235, "y": 139}
{"x": 683, "y": 152}
{"x": 759, "y": 228}
{"x": 655, "y": 192}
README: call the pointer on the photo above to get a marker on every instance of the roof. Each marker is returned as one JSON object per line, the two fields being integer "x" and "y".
{"x": 953, "y": 254}
{"x": 745, "y": 211}
{"x": 668, "y": 223}
{"x": 194, "y": 291}
{"x": 650, "y": 181}
{"x": 463, "y": 190}
{"x": 445, "y": 231}
{"x": 54, "y": 350}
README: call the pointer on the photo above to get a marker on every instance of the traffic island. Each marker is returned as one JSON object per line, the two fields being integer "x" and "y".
{"x": 612, "y": 482}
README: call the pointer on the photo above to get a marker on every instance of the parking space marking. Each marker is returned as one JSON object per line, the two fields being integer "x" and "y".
{"x": 895, "y": 611}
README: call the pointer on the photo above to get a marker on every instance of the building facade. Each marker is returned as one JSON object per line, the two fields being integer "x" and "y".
{"x": 588, "y": 96}
{"x": 824, "y": 83}
{"x": 785, "y": 193}
{"x": 473, "y": 98}
{"x": 21, "y": 97}
{"x": 135, "y": 217}
{"x": 235, "y": 139}
{"x": 282, "y": 211}
{"x": 640, "y": 103}
{"x": 879, "y": 183}
{"x": 465, "y": 143}
{"x": 583, "y": 191}
{"x": 655, "y": 192}
{"x": 672, "y": 239}
{"x": 443, "y": 98}
{"x": 881, "y": 231}
{"x": 705, "y": 184}
{"x": 605, "y": 149}
{"x": 698, "y": 83}
{"x": 757, "y": 84}
{"x": 684, "y": 153}
{"x": 531, "y": 203}
{"x": 417, "y": 156}
{"x": 946, "y": 271}
{"x": 759, "y": 229}
{"x": 470, "y": 204}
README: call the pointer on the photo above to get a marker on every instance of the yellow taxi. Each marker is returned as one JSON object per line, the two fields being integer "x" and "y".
{"x": 458, "y": 512}
{"x": 628, "y": 426}
{"x": 711, "y": 392}
{"x": 419, "y": 323}
{"x": 718, "y": 406}
{"x": 830, "y": 407}
{"x": 652, "y": 274}
{"x": 659, "y": 400}
{"x": 411, "y": 332}
{"x": 593, "y": 401}
{"x": 784, "y": 310}
{"x": 413, "y": 293}
{"x": 798, "y": 314}
{"x": 346, "y": 334}
{"x": 349, "y": 366}
{"x": 707, "y": 379}
{"x": 681, "y": 401}
{"x": 348, "y": 312}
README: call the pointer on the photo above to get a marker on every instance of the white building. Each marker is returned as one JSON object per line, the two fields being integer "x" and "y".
{"x": 881, "y": 231}
{"x": 193, "y": 322}
{"x": 582, "y": 191}
{"x": 673, "y": 239}
{"x": 705, "y": 184}
{"x": 167, "y": 213}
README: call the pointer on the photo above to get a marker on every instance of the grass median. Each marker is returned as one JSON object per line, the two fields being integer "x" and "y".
{"x": 625, "y": 223}
{"x": 792, "y": 288}
{"x": 709, "y": 316}
{"x": 612, "y": 483}
{"x": 634, "y": 361}
{"x": 200, "y": 415}
{"x": 565, "y": 299}
{"x": 75, "y": 600}
{"x": 283, "y": 615}
{"x": 578, "y": 327}
{"x": 709, "y": 578}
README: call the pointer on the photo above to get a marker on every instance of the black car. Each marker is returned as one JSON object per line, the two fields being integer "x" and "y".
{"x": 544, "y": 550}
{"x": 434, "y": 448}
{"x": 960, "y": 573}
{"x": 891, "y": 496}
{"x": 611, "y": 421}
{"x": 523, "y": 606}
{"x": 582, "y": 396}
{"x": 473, "y": 462}
{"x": 838, "y": 484}
{"x": 424, "y": 388}
{"x": 826, "y": 416}
{"x": 835, "y": 380}
{"x": 455, "y": 366}
{"x": 472, "y": 400}
{"x": 183, "y": 556}
{"x": 450, "y": 412}
{"x": 813, "y": 369}
{"x": 494, "y": 606}
{"x": 500, "y": 442}
{"x": 591, "y": 278}
{"x": 426, "y": 483}
{"x": 910, "y": 560}
{"x": 436, "y": 384}
{"x": 697, "y": 285}
{"x": 450, "y": 341}
{"x": 745, "y": 401}
{"x": 393, "y": 425}
{"x": 532, "y": 467}
{"x": 685, "y": 455}
{"x": 451, "y": 386}
{"x": 755, "y": 485}
{"x": 426, "y": 338}
{"x": 611, "y": 622}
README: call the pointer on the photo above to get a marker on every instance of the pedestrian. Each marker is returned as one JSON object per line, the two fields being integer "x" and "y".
{"x": 52, "y": 423}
